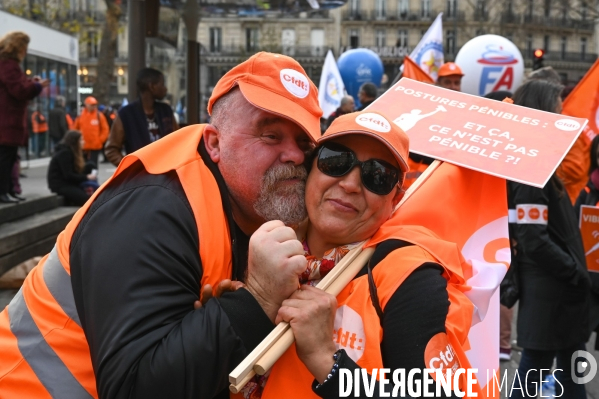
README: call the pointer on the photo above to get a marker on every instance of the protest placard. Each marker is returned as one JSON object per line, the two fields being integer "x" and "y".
{"x": 589, "y": 229}
{"x": 505, "y": 140}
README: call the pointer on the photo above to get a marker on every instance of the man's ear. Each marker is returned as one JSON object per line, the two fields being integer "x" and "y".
{"x": 212, "y": 142}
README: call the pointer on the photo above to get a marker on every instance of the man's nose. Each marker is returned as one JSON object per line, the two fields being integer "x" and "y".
{"x": 292, "y": 153}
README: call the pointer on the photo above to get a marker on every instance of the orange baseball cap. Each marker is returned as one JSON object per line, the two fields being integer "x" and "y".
{"x": 376, "y": 125}
{"x": 450, "y": 68}
{"x": 91, "y": 101}
{"x": 277, "y": 84}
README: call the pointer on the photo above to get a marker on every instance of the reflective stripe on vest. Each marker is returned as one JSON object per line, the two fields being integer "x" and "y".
{"x": 41, "y": 339}
{"x": 47, "y": 366}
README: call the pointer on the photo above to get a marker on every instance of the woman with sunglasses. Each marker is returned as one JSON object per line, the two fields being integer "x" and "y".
{"x": 405, "y": 310}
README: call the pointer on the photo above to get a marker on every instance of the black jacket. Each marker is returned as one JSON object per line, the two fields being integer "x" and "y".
{"x": 136, "y": 272}
{"x": 590, "y": 196}
{"x": 135, "y": 124}
{"x": 554, "y": 282}
{"x": 61, "y": 171}
{"x": 57, "y": 123}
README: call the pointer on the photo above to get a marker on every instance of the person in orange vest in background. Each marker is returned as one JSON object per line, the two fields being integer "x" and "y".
{"x": 39, "y": 128}
{"x": 450, "y": 76}
{"x": 93, "y": 126}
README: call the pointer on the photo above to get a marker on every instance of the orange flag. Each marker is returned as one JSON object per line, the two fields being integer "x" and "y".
{"x": 469, "y": 208}
{"x": 582, "y": 102}
{"x": 413, "y": 71}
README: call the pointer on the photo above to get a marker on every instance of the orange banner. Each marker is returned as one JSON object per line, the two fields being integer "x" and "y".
{"x": 589, "y": 229}
{"x": 413, "y": 71}
{"x": 583, "y": 101}
{"x": 505, "y": 140}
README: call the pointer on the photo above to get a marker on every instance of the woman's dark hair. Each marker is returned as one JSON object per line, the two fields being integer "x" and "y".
{"x": 499, "y": 95}
{"x": 594, "y": 148}
{"x": 543, "y": 95}
{"x": 539, "y": 94}
{"x": 72, "y": 139}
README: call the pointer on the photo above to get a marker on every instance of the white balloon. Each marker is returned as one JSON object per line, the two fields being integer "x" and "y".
{"x": 490, "y": 63}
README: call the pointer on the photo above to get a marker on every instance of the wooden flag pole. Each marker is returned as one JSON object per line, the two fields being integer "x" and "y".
{"x": 276, "y": 351}
{"x": 263, "y": 357}
{"x": 246, "y": 366}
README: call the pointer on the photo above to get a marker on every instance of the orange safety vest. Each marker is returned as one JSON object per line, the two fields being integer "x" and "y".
{"x": 43, "y": 349}
{"x": 357, "y": 326}
{"x": 94, "y": 129}
{"x": 41, "y": 126}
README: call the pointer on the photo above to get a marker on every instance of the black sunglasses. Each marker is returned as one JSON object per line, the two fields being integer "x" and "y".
{"x": 378, "y": 176}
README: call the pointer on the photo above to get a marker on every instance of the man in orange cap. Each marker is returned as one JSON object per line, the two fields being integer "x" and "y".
{"x": 450, "y": 76}
{"x": 94, "y": 128}
{"x": 109, "y": 313}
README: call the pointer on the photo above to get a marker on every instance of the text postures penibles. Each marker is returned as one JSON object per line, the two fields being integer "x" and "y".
{"x": 475, "y": 138}
{"x": 498, "y": 138}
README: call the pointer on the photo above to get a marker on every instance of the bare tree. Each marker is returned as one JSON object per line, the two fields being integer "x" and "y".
{"x": 105, "y": 67}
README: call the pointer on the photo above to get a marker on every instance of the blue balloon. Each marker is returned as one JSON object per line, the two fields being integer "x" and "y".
{"x": 359, "y": 66}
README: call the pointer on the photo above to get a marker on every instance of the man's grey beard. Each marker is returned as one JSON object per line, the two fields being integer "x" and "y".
{"x": 285, "y": 202}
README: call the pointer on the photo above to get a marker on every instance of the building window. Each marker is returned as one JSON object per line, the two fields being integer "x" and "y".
{"x": 92, "y": 44}
{"x": 380, "y": 8}
{"x": 546, "y": 43}
{"x": 547, "y": 9}
{"x": 425, "y": 8}
{"x": 450, "y": 41}
{"x": 583, "y": 48}
{"x": 480, "y": 12}
{"x": 380, "y": 38}
{"x": 530, "y": 9}
{"x": 251, "y": 39}
{"x": 354, "y": 38}
{"x": 529, "y": 45}
{"x": 354, "y": 7}
{"x": 404, "y": 8}
{"x": 402, "y": 38}
{"x": 452, "y": 7}
{"x": 583, "y": 11}
{"x": 317, "y": 42}
{"x": 215, "y": 40}
{"x": 563, "y": 47}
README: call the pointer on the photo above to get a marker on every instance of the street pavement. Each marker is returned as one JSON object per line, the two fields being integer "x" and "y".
{"x": 34, "y": 185}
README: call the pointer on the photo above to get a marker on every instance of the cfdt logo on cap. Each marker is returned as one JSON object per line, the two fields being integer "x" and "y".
{"x": 295, "y": 82}
{"x": 374, "y": 122}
